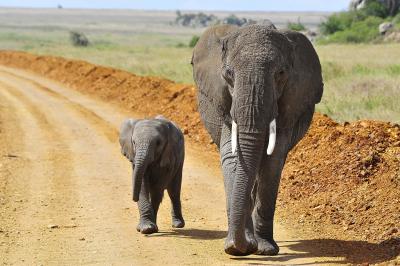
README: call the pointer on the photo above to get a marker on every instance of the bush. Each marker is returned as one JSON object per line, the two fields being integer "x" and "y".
{"x": 355, "y": 26}
{"x": 194, "y": 41}
{"x": 376, "y": 9}
{"x": 79, "y": 39}
{"x": 180, "y": 45}
{"x": 340, "y": 21}
{"x": 360, "y": 31}
{"x": 296, "y": 26}
{"x": 234, "y": 20}
{"x": 195, "y": 20}
{"x": 396, "y": 20}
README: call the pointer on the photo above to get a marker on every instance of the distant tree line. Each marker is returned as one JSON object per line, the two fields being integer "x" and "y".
{"x": 203, "y": 20}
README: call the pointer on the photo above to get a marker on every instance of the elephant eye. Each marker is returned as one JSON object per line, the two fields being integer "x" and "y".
{"x": 228, "y": 75}
{"x": 158, "y": 142}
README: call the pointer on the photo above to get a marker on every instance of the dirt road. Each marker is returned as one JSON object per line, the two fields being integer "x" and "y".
{"x": 65, "y": 191}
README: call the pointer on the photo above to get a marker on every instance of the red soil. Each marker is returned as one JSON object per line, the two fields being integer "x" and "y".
{"x": 342, "y": 180}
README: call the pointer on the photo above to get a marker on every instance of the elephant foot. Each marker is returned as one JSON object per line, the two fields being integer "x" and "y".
{"x": 244, "y": 247}
{"x": 178, "y": 223}
{"x": 147, "y": 227}
{"x": 267, "y": 247}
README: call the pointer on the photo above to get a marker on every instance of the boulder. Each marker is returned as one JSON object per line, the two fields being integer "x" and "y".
{"x": 357, "y": 4}
{"x": 385, "y": 27}
{"x": 393, "y": 37}
{"x": 392, "y": 5}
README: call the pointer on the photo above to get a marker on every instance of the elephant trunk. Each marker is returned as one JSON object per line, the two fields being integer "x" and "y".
{"x": 254, "y": 109}
{"x": 139, "y": 172}
{"x": 248, "y": 161}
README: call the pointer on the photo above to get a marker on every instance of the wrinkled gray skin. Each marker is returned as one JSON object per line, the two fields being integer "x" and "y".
{"x": 254, "y": 74}
{"x": 156, "y": 149}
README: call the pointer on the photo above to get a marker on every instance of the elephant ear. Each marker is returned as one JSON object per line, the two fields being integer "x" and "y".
{"x": 125, "y": 138}
{"x": 304, "y": 84}
{"x": 174, "y": 150}
{"x": 214, "y": 98}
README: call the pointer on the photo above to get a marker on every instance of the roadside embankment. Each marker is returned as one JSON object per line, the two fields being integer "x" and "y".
{"x": 341, "y": 181}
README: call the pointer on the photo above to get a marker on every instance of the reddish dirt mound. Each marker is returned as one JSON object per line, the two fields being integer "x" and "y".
{"x": 343, "y": 180}
{"x": 148, "y": 96}
{"x": 346, "y": 176}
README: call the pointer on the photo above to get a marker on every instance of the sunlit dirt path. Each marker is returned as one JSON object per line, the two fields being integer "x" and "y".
{"x": 65, "y": 192}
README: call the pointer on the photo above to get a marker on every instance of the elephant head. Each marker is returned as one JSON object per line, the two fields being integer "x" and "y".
{"x": 256, "y": 65}
{"x": 146, "y": 143}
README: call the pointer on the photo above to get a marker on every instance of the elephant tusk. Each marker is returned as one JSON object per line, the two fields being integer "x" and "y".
{"x": 272, "y": 137}
{"x": 234, "y": 137}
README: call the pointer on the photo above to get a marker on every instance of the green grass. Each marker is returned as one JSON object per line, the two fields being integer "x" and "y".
{"x": 142, "y": 54}
{"x": 361, "y": 80}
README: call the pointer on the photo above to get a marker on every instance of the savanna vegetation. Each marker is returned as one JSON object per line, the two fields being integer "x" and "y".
{"x": 362, "y": 81}
{"x": 358, "y": 25}
{"x": 204, "y": 20}
{"x": 297, "y": 26}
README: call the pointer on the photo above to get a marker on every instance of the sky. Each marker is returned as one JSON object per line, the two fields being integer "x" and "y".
{"x": 231, "y": 5}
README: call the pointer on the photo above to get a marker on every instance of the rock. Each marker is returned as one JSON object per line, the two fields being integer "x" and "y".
{"x": 391, "y": 5}
{"x": 385, "y": 27}
{"x": 70, "y": 226}
{"x": 52, "y": 226}
{"x": 357, "y": 4}
{"x": 393, "y": 231}
{"x": 393, "y": 36}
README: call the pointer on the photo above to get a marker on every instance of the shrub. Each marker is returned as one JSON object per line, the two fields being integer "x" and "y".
{"x": 396, "y": 20}
{"x": 296, "y": 26}
{"x": 360, "y": 31}
{"x": 194, "y": 41}
{"x": 375, "y": 8}
{"x": 195, "y": 20}
{"x": 79, "y": 39}
{"x": 234, "y": 20}
{"x": 355, "y": 26}
{"x": 180, "y": 45}
{"x": 340, "y": 22}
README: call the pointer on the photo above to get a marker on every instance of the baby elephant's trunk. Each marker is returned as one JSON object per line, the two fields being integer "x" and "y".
{"x": 138, "y": 173}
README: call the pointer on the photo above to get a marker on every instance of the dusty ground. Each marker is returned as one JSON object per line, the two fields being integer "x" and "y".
{"x": 66, "y": 188}
{"x": 339, "y": 191}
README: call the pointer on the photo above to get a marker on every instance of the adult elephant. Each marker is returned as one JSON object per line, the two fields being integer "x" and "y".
{"x": 257, "y": 90}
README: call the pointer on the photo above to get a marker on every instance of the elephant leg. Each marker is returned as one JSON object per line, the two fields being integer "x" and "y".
{"x": 263, "y": 214}
{"x": 147, "y": 223}
{"x": 174, "y": 192}
{"x": 156, "y": 195}
{"x": 228, "y": 161}
{"x": 268, "y": 183}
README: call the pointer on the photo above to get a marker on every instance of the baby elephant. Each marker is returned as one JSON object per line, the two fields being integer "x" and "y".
{"x": 156, "y": 149}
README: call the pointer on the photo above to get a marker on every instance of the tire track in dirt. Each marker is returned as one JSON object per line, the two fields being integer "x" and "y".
{"x": 165, "y": 217}
{"x": 34, "y": 130}
{"x": 96, "y": 197}
{"x": 106, "y": 127}
{"x": 61, "y": 209}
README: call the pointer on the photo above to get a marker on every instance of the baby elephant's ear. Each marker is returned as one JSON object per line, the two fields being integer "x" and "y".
{"x": 125, "y": 138}
{"x": 174, "y": 150}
